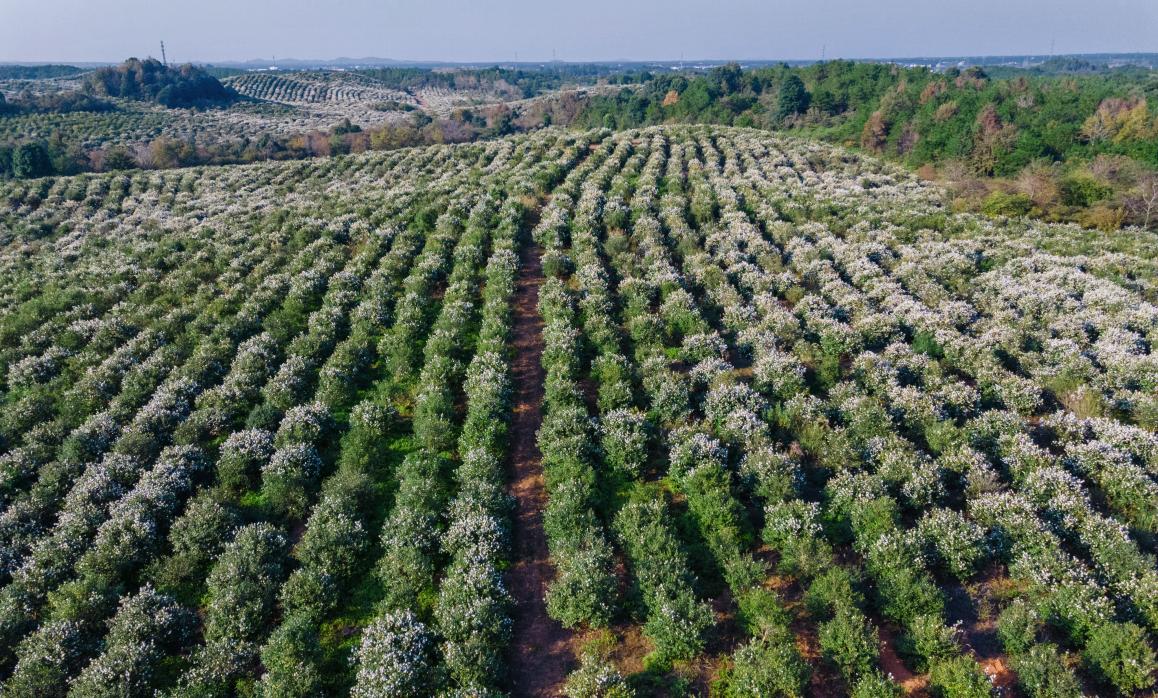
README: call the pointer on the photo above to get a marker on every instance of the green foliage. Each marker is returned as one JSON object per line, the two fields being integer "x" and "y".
{"x": 1001, "y": 203}
{"x": 995, "y": 125}
{"x": 288, "y": 479}
{"x": 1082, "y": 190}
{"x": 37, "y": 72}
{"x": 850, "y": 643}
{"x": 31, "y": 160}
{"x": 243, "y": 584}
{"x": 928, "y": 640}
{"x": 959, "y": 677}
{"x": 905, "y": 594}
{"x": 835, "y": 589}
{"x": 183, "y": 86}
{"x": 1121, "y": 656}
{"x": 1041, "y": 673}
{"x": 793, "y": 99}
{"x": 290, "y": 658}
{"x": 1017, "y": 626}
{"x": 876, "y": 685}
{"x": 596, "y": 677}
{"x": 768, "y": 665}
{"x": 761, "y": 610}
{"x": 676, "y": 620}
{"x": 45, "y": 660}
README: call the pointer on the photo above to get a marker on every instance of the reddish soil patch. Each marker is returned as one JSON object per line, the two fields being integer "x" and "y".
{"x": 912, "y": 684}
{"x": 630, "y": 649}
{"x": 541, "y": 654}
{"x": 1002, "y": 677}
{"x": 979, "y": 625}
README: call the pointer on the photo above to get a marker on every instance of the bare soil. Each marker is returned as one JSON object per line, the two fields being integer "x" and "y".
{"x": 912, "y": 684}
{"x": 542, "y": 652}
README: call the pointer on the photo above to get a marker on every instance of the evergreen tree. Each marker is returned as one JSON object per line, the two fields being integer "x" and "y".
{"x": 31, "y": 160}
{"x": 793, "y": 97}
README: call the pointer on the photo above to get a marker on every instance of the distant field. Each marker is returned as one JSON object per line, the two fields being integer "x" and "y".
{"x": 671, "y": 411}
{"x": 296, "y": 103}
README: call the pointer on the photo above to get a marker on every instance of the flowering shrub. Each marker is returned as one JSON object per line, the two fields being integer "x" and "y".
{"x": 624, "y": 439}
{"x": 394, "y": 658}
{"x": 768, "y": 665}
{"x": 46, "y": 658}
{"x": 745, "y": 340}
{"x": 676, "y": 620}
{"x": 1120, "y": 655}
{"x": 1042, "y": 672}
{"x": 242, "y": 457}
{"x": 243, "y": 583}
{"x": 288, "y": 477}
{"x": 596, "y": 678}
{"x": 952, "y": 542}
{"x": 959, "y": 676}
{"x": 146, "y": 628}
{"x": 289, "y": 656}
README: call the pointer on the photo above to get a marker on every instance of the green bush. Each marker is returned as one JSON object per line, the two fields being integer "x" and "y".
{"x": 876, "y": 685}
{"x": 1042, "y": 674}
{"x": 959, "y": 677}
{"x": 1000, "y": 203}
{"x": 1120, "y": 655}
{"x": 289, "y": 477}
{"x": 769, "y": 665}
{"x": 676, "y": 619}
{"x": 850, "y": 643}
{"x": 761, "y": 610}
{"x": 905, "y": 593}
{"x": 1082, "y": 190}
{"x": 928, "y": 640}
{"x": 1017, "y": 627}
{"x": 31, "y": 160}
{"x": 832, "y": 591}
{"x": 596, "y": 678}
{"x": 290, "y": 658}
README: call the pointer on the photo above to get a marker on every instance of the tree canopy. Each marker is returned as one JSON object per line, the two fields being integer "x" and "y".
{"x": 152, "y": 81}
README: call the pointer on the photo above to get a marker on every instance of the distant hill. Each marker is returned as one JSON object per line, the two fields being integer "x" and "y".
{"x": 38, "y": 72}
{"x": 153, "y": 81}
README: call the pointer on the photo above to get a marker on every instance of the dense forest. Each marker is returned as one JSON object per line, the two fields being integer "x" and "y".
{"x": 1000, "y": 125}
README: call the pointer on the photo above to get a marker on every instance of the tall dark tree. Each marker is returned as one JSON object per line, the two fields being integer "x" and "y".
{"x": 794, "y": 98}
{"x": 31, "y": 160}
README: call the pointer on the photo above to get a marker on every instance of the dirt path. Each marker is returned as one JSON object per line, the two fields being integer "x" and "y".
{"x": 541, "y": 653}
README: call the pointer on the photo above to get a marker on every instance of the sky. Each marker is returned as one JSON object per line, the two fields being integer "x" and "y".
{"x": 579, "y": 30}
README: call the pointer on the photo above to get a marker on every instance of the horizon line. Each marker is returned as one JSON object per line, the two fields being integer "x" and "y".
{"x": 346, "y": 60}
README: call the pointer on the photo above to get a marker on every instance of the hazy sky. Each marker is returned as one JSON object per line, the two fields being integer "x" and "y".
{"x": 482, "y": 30}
